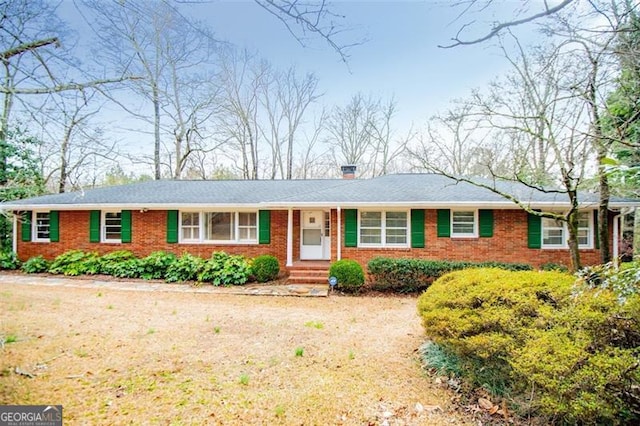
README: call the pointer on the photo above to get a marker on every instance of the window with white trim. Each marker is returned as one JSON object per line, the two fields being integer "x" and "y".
{"x": 228, "y": 227}
{"x": 384, "y": 228}
{"x": 555, "y": 233}
{"x": 247, "y": 226}
{"x": 464, "y": 223}
{"x": 112, "y": 227}
{"x": 190, "y": 226}
{"x": 41, "y": 226}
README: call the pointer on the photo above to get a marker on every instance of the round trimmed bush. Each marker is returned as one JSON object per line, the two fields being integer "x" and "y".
{"x": 265, "y": 268}
{"x": 349, "y": 273}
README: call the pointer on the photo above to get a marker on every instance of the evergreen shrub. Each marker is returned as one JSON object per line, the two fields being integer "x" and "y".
{"x": 265, "y": 268}
{"x": 415, "y": 275}
{"x": 349, "y": 273}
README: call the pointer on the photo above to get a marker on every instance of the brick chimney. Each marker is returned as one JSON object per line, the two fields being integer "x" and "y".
{"x": 348, "y": 171}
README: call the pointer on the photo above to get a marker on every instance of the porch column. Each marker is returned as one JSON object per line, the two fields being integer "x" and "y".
{"x": 339, "y": 242}
{"x": 616, "y": 237}
{"x": 14, "y": 242}
{"x": 290, "y": 237}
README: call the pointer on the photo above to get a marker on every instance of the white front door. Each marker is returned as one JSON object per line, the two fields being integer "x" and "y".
{"x": 314, "y": 243}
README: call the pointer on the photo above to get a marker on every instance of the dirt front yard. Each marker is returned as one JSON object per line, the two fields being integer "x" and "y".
{"x": 114, "y": 356}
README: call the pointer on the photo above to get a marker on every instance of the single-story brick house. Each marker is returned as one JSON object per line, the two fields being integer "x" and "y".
{"x": 402, "y": 215}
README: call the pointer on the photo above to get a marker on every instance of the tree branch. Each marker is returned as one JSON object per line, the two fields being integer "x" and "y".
{"x": 25, "y": 47}
{"x": 503, "y": 25}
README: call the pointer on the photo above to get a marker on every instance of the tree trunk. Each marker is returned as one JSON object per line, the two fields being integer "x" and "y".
{"x": 572, "y": 225}
{"x": 603, "y": 217}
{"x": 636, "y": 234}
{"x": 156, "y": 131}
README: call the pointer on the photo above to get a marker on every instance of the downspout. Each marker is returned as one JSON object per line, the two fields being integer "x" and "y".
{"x": 339, "y": 242}
{"x": 290, "y": 237}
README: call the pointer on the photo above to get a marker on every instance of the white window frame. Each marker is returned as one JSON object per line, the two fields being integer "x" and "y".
{"x": 103, "y": 227}
{"x": 34, "y": 227}
{"x": 476, "y": 225}
{"x": 198, "y": 227}
{"x": 383, "y": 229}
{"x": 236, "y": 230}
{"x": 565, "y": 233}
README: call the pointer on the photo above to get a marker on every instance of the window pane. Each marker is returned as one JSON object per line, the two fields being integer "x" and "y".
{"x": 583, "y": 220}
{"x": 370, "y": 236}
{"x": 396, "y": 236}
{"x": 396, "y": 220}
{"x": 112, "y": 226}
{"x": 247, "y": 219}
{"x": 42, "y": 225}
{"x": 553, "y": 237}
{"x": 371, "y": 219}
{"x": 463, "y": 222}
{"x": 583, "y": 237}
{"x": 247, "y": 226}
{"x": 190, "y": 226}
{"x": 248, "y": 234}
{"x": 552, "y": 232}
{"x": 219, "y": 226}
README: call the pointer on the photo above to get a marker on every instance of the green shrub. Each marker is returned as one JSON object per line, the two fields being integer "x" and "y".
{"x": 8, "y": 260}
{"x": 568, "y": 348}
{"x": 76, "y": 262}
{"x": 349, "y": 274}
{"x": 155, "y": 266}
{"x": 414, "y": 275}
{"x": 225, "y": 269}
{"x": 185, "y": 268}
{"x": 552, "y": 266}
{"x": 120, "y": 263}
{"x": 480, "y": 315}
{"x": 265, "y": 268}
{"x": 35, "y": 265}
{"x": 584, "y": 369}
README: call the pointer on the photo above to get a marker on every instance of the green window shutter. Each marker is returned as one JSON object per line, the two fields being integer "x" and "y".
{"x": 485, "y": 217}
{"x": 596, "y": 233}
{"x": 125, "y": 223}
{"x": 444, "y": 223}
{"x": 25, "y": 227}
{"x": 54, "y": 226}
{"x": 351, "y": 228}
{"x": 417, "y": 228}
{"x": 534, "y": 226}
{"x": 94, "y": 226}
{"x": 264, "y": 232}
{"x": 172, "y": 226}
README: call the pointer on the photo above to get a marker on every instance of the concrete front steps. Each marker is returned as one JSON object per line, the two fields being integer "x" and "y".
{"x": 309, "y": 273}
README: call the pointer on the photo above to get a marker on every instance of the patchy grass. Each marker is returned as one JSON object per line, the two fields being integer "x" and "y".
{"x": 93, "y": 360}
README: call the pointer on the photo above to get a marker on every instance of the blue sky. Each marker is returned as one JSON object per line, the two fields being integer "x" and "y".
{"x": 400, "y": 56}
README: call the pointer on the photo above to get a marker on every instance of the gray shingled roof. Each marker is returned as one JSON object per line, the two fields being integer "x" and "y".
{"x": 428, "y": 190}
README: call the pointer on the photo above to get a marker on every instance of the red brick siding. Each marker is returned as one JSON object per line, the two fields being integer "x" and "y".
{"x": 149, "y": 234}
{"x": 508, "y": 244}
